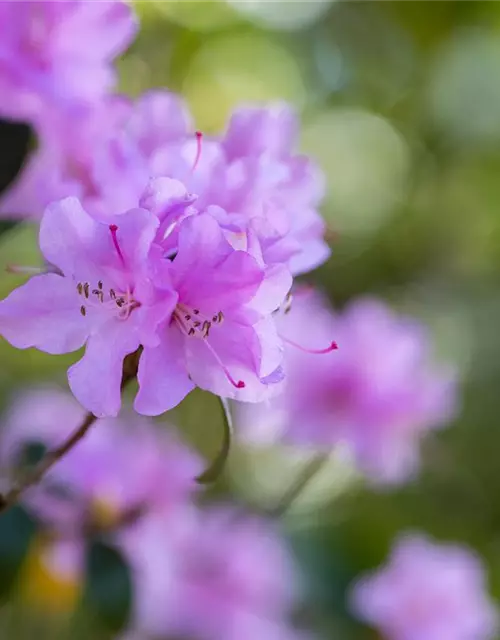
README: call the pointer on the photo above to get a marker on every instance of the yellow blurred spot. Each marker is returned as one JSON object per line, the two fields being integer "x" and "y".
{"x": 42, "y": 588}
{"x": 200, "y": 15}
{"x": 104, "y": 513}
{"x": 366, "y": 162}
{"x": 236, "y": 68}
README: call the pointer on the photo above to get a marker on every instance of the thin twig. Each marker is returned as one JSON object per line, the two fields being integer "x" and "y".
{"x": 48, "y": 461}
{"x": 310, "y": 470}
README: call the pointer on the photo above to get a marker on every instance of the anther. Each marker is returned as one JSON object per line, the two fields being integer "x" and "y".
{"x": 100, "y": 285}
{"x": 199, "y": 136}
{"x": 86, "y": 289}
{"x": 112, "y": 294}
{"x": 83, "y": 310}
{"x": 196, "y": 311}
{"x": 191, "y": 332}
{"x": 187, "y": 317}
{"x": 79, "y": 288}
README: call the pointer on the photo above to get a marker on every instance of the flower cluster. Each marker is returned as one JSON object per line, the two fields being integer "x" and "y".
{"x": 170, "y": 257}
{"x": 212, "y": 573}
{"x": 156, "y": 241}
{"x": 379, "y": 393}
{"x": 427, "y": 591}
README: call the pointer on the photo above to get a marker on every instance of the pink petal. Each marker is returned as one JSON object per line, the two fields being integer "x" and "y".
{"x": 44, "y": 313}
{"x": 96, "y": 379}
{"x": 163, "y": 378}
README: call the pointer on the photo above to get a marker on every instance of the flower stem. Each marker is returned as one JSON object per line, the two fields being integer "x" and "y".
{"x": 308, "y": 472}
{"x": 216, "y": 468}
{"x": 35, "y": 475}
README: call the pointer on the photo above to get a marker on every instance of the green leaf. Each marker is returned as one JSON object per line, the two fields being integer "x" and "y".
{"x": 17, "y": 529}
{"x": 108, "y": 586}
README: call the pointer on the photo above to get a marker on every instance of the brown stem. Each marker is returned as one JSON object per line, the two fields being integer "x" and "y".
{"x": 34, "y": 476}
{"x": 49, "y": 460}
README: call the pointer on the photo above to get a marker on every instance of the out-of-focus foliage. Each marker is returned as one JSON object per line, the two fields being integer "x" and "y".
{"x": 401, "y": 106}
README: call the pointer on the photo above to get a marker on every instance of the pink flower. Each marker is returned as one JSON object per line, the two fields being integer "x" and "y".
{"x": 252, "y": 174}
{"x": 221, "y": 336}
{"x": 215, "y": 574}
{"x": 84, "y": 152}
{"x": 203, "y": 318}
{"x": 54, "y": 54}
{"x": 379, "y": 393}
{"x": 427, "y": 591}
{"x": 121, "y": 467}
{"x": 250, "y": 181}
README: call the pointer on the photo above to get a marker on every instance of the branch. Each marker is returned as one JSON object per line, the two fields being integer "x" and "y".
{"x": 48, "y": 461}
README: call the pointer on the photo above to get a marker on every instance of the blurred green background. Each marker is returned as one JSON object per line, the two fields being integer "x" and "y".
{"x": 400, "y": 103}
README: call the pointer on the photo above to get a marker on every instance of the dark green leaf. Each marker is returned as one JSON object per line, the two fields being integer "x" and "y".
{"x": 17, "y": 529}
{"x": 108, "y": 587}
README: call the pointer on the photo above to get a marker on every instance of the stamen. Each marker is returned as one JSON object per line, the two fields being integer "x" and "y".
{"x": 199, "y": 136}
{"x": 113, "y": 229}
{"x": 333, "y": 346}
{"x": 238, "y": 384}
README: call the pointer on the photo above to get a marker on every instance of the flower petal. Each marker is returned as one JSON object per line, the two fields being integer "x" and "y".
{"x": 96, "y": 379}
{"x": 44, "y": 313}
{"x": 208, "y": 272}
{"x": 163, "y": 378}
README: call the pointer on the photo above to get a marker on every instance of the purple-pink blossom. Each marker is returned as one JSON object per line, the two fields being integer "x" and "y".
{"x": 379, "y": 393}
{"x": 213, "y": 574}
{"x": 427, "y": 591}
{"x": 249, "y": 179}
{"x": 56, "y": 54}
{"x": 123, "y": 469}
{"x": 202, "y": 317}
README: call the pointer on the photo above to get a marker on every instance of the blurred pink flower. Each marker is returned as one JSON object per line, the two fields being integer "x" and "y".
{"x": 427, "y": 591}
{"x": 123, "y": 466}
{"x": 202, "y": 319}
{"x": 216, "y": 574}
{"x": 379, "y": 393}
{"x": 54, "y": 54}
{"x": 83, "y": 151}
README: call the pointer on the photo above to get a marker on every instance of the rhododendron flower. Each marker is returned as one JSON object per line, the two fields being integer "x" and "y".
{"x": 56, "y": 54}
{"x": 202, "y": 318}
{"x": 221, "y": 336}
{"x": 252, "y": 174}
{"x": 122, "y": 470}
{"x": 249, "y": 180}
{"x": 215, "y": 574}
{"x": 427, "y": 591}
{"x": 379, "y": 393}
